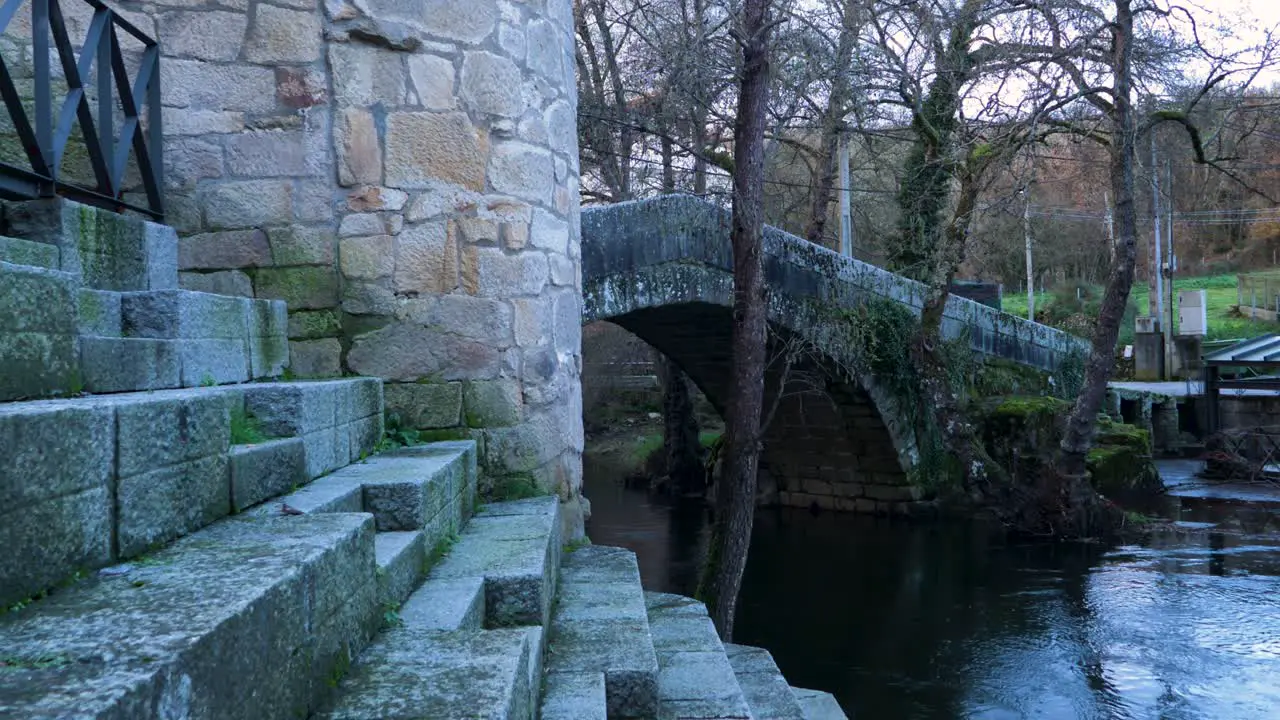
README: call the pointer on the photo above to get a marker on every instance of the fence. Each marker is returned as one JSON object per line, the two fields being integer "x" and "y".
{"x": 1258, "y": 294}
{"x": 99, "y": 76}
{"x": 638, "y": 375}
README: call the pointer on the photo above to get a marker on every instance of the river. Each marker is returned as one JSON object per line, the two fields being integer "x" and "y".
{"x": 902, "y": 620}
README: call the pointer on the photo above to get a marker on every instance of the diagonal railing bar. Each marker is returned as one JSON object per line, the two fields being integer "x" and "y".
{"x": 77, "y": 102}
{"x": 43, "y": 90}
{"x": 128, "y": 130}
{"x": 106, "y": 108}
{"x": 7, "y": 12}
{"x": 45, "y": 142}
{"x": 150, "y": 158}
{"x": 26, "y": 134}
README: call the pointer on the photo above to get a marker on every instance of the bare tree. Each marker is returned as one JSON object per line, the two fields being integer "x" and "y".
{"x": 736, "y": 493}
{"x": 1110, "y": 55}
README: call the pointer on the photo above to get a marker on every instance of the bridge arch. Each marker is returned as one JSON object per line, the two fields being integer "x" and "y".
{"x": 662, "y": 269}
{"x": 843, "y": 445}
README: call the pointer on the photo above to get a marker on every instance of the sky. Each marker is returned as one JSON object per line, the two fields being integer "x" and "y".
{"x": 1249, "y": 19}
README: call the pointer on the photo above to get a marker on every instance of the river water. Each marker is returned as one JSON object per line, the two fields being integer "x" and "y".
{"x": 904, "y": 620}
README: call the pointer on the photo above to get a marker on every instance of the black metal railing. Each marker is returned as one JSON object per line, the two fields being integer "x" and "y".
{"x": 46, "y": 141}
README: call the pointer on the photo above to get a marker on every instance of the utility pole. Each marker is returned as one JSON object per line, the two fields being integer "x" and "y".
{"x": 1172, "y": 264}
{"x": 1026, "y": 221}
{"x": 846, "y": 214}
{"x": 1111, "y": 222}
{"x": 1155, "y": 291}
{"x": 1026, "y": 231}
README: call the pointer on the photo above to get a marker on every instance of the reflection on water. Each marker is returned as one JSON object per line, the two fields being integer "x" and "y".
{"x": 942, "y": 621}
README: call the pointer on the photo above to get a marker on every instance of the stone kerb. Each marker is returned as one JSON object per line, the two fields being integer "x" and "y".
{"x": 405, "y": 177}
{"x": 625, "y": 237}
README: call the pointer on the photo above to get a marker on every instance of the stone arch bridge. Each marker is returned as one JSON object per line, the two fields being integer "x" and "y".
{"x": 662, "y": 269}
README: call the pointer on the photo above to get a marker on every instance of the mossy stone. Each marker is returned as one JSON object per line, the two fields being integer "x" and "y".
{"x": 1023, "y": 434}
{"x": 303, "y": 288}
{"x": 314, "y": 324}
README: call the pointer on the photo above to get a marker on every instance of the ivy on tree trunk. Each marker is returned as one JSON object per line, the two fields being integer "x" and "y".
{"x": 925, "y": 193}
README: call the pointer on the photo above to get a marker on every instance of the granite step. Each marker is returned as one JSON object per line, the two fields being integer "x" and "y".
{"x": 818, "y": 705}
{"x": 412, "y": 673}
{"x": 105, "y": 250}
{"x": 249, "y": 617}
{"x": 427, "y": 488}
{"x": 17, "y": 251}
{"x": 446, "y": 605}
{"x": 263, "y": 470}
{"x": 574, "y": 696}
{"x": 695, "y": 677}
{"x": 767, "y": 693}
{"x": 401, "y": 558}
{"x": 600, "y": 630}
{"x": 110, "y": 316}
{"x": 124, "y": 365}
{"x": 339, "y": 421}
{"x": 221, "y": 339}
{"x": 90, "y": 481}
{"x": 39, "y": 344}
{"x": 515, "y": 548}
{"x": 436, "y": 659}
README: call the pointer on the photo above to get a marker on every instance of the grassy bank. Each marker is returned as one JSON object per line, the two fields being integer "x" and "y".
{"x": 649, "y": 443}
{"x": 1225, "y": 323}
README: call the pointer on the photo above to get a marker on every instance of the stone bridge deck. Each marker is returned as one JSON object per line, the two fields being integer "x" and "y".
{"x": 622, "y": 244}
{"x": 662, "y": 268}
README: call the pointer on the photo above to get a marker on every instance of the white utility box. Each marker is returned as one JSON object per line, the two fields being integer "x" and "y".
{"x": 1144, "y": 325}
{"x": 1193, "y": 313}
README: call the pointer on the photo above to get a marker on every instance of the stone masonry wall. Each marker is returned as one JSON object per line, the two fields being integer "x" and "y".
{"x": 405, "y": 176}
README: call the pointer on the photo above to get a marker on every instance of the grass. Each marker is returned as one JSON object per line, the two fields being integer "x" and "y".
{"x": 519, "y": 486}
{"x": 246, "y": 429}
{"x": 647, "y": 445}
{"x": 1224, "y": 322}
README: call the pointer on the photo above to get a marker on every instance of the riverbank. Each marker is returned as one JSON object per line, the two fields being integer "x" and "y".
{"x": 631, "y": 447}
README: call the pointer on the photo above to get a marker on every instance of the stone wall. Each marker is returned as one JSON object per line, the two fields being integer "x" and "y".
{"x": 405, "y": 176}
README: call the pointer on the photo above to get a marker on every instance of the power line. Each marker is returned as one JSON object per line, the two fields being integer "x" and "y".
{"x": 1179, "y": 218}
{"x": 1194, "y": 218}
{"x": 719, "y": 172}
{"x": 1187, "y": 218}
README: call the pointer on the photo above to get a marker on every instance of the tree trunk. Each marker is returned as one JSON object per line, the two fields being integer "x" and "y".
{"x": 698, "y": 114}
{"x": 1082, "y": 424}
{"x": 668, "y": 164}
{"x": 736, "y": 491}
{"x": 958, "y": 436}
{"x": 925, "y": 191}
{"x": 931, "y": 250}
{"x": 823, "y": 186}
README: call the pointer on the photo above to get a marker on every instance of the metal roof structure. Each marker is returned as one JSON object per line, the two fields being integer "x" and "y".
{"x": 1259, "y": 352}
{"x": 1262, "y": 353}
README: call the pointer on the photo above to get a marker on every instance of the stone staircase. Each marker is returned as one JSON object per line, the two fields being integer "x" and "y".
{"x": 89, "y": 301}
{"x": 242, "y": 550}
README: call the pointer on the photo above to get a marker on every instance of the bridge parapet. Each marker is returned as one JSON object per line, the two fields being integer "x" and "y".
{"x": 627, "y": 238}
